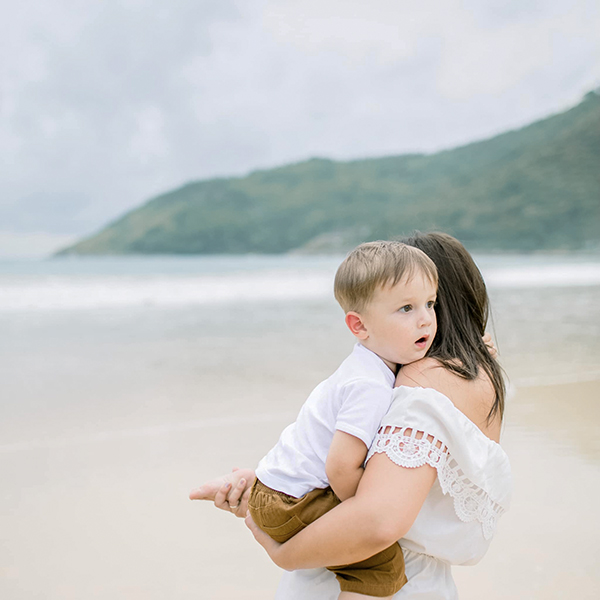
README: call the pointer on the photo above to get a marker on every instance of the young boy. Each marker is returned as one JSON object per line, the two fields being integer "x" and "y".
{"x": 388, "y": 291}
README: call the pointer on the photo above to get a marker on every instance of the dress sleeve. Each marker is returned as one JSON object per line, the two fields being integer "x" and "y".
{"x": 423, "y": 427}
{"x": 364, "y": 402}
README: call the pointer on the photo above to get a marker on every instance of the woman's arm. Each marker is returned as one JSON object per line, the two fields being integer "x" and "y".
{"x": 386, "y": 505}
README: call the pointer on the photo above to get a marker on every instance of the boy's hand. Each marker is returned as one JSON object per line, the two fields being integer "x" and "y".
{"x": 229, "y": 492}
{"x": 487, "y": 340}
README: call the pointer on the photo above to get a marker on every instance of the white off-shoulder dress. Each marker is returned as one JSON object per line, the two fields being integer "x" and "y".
{"x": 457, "y": 521}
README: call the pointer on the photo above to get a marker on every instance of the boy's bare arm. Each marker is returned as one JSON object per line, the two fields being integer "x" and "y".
{"x": 344, "y": 465}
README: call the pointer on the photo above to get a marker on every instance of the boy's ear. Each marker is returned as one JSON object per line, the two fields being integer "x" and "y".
{"x": 356, "y": 325}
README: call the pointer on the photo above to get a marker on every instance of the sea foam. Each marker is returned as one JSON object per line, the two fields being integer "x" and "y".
{"x": 274, "y": 280}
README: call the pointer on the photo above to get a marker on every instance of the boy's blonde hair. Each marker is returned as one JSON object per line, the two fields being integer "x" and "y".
{"x": 374, "y": 265}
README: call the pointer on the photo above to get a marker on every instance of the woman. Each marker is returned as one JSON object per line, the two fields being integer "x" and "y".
{"x": 436, "y": 478}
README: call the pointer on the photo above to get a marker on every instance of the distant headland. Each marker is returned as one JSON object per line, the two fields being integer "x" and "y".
{"x": 533, "y": 189}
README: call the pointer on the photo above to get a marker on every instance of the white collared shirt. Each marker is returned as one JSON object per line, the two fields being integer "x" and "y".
{"x": 353, "y": 400}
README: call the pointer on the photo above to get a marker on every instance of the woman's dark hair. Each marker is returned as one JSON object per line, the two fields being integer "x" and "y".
{"x": 462, "y": 311}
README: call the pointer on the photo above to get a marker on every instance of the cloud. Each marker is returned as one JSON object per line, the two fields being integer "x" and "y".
{"x": 105, "y": 104}
{"x": 31, "y": 245}
{"x": 87, "y": 88}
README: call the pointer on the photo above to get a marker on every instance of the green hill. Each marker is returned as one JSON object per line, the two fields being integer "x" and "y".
{"x": 537, "y": 188}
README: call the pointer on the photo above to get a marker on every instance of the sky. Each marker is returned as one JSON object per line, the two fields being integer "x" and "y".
{"x": 104, "y": 105}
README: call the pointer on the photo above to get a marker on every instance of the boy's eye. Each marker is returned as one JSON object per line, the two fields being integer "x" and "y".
{"x": 406, "y": 308}
{"x": 431, "y": 304}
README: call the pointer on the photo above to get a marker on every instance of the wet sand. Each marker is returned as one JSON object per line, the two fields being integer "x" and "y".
{"x": 545, "y": 546}
{"x": 108, "y": 516}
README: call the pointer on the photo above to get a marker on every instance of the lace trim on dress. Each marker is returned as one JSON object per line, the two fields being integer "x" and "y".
{"x": 409, "y": 447}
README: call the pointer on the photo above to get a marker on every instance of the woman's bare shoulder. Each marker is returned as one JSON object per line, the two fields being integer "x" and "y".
{"x": 429, "y": 372}
{"x": 419, "y": 373}
{"x": 474, "y": 398}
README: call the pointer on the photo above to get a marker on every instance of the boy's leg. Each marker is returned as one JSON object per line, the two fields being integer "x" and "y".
{"x": 282, "y": 516}
{"x": 380, "y": 576}
{"x": 354, "y": 596}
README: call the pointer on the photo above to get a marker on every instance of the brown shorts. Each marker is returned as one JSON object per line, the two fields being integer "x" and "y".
{"x": 283, "y": 516}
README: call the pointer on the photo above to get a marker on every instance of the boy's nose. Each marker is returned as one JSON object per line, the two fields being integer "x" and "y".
{"x": 425, "y": 318}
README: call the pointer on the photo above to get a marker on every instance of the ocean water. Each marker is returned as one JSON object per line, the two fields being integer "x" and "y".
{"x": 91, "y": 345}
{"x": 113, "y": 283}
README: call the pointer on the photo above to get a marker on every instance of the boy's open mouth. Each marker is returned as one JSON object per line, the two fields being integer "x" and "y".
{"x": 422, "y": 341}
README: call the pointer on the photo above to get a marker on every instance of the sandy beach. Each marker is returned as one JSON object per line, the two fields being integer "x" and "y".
{"x": 110, "y": 518}
{"x": 110, "y": 417}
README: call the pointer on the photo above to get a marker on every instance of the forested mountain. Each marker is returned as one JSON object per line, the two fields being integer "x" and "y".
{"x": 537, "y": 188}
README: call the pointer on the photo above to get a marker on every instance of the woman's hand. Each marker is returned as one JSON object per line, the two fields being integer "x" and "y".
{"x": 274, "y": 549}
{"x": 229, "y": 492}
{"x": 487, "y": 340}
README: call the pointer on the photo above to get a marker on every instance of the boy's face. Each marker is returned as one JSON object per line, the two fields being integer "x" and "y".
{"x": 399, "y": 321}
